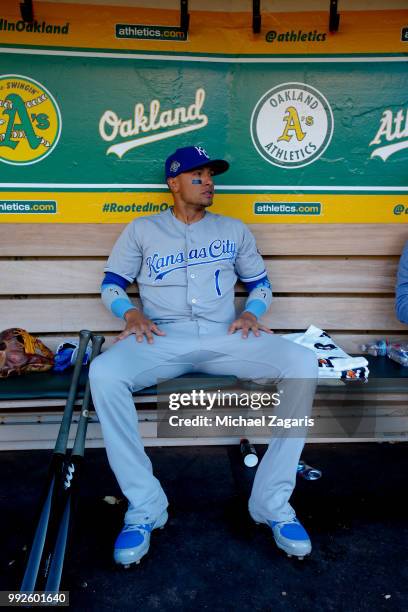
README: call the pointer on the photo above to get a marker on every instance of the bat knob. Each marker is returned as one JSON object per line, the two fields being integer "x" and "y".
{"x": 85, "y": 334}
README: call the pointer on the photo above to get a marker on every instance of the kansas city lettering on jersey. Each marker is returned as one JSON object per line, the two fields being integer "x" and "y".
{"x": 217, "y": 250}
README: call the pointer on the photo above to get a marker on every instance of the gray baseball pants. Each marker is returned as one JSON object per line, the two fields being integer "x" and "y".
{"x": 201, "y": 346}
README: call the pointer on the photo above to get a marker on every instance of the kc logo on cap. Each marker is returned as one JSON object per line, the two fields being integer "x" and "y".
{"x": 202, "y": 152}
{"x": 192, "y": 158}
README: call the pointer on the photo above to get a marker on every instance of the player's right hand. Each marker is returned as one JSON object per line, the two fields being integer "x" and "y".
{"x": 138, "y": 324}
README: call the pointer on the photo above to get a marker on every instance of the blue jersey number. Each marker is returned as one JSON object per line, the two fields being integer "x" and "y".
{"x": 217, "y": 286}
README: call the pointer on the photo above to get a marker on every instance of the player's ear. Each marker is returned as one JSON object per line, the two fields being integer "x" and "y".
{"x": 173, "y": 184}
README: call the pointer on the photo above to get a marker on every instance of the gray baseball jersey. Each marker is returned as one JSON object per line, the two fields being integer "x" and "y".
{"x": 185, "y": 272}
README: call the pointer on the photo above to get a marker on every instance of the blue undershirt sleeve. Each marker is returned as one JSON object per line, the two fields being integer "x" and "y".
{"x": 250, "y": 269}
{"x": 260, "y": 296}
{"x": 114, "y": 296}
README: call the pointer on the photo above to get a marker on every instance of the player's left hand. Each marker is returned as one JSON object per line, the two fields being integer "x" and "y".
{"x": 248, "y": 322}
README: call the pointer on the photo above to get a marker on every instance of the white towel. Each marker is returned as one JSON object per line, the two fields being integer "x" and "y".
{"x": 334, "y": 362}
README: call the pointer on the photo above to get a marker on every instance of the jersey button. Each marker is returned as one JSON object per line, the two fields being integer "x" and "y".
{"x": 194, "y": 300}
{"x": 192, "y": 275}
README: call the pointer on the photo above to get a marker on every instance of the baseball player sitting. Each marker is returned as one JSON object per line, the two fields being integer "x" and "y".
{"x": 186, "y": 262}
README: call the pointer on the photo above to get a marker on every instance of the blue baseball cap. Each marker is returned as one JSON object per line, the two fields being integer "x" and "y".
{"x": 191, "y": 158}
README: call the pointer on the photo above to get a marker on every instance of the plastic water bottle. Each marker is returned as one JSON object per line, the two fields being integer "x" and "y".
{"x": 379, "y": 348}
{"x": 308, "y": 472}
{"x": 248, "y": 453}
{"x": 399, "y": 353}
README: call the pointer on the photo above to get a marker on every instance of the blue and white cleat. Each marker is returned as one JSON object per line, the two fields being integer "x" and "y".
{"x": 134, "y": 540}
{"x": 291, "y": 537}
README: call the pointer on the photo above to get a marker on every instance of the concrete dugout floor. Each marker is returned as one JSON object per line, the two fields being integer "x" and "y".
{"x": 211, "y": 556}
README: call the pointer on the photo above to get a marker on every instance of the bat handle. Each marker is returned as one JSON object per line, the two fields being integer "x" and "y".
{"x": 62, "y": 439}
{"x": 79, "y": 443}
{"x": 97, "y": 342}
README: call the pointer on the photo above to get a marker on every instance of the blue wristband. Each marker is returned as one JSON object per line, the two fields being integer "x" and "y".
{"x": 256, "y": 307}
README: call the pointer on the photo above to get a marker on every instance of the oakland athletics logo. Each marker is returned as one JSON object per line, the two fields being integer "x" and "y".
{"x": 30, "y": 120}
{"x": 291, "y": 125}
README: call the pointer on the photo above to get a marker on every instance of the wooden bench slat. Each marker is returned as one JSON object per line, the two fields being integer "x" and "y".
{"x": 333, "y": 313}
{"x": 331, "y": 239}
{"x": 317, "y": 275}
{"x": 345, "y": 275}
{"x": 89, "y": 239}
{"x": 341, "y": 313}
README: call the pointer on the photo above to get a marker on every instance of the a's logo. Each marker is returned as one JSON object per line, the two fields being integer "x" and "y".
{"x": 392, "y": 135}
{"x": 30, "y": 120}
{"x": 292, "y": 125}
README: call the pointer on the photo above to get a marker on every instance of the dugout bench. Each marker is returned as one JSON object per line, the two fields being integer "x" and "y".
{"x": 339, "y": 277}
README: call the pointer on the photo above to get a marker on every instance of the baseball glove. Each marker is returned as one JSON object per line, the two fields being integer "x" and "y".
{"x": 20, "y": 352}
